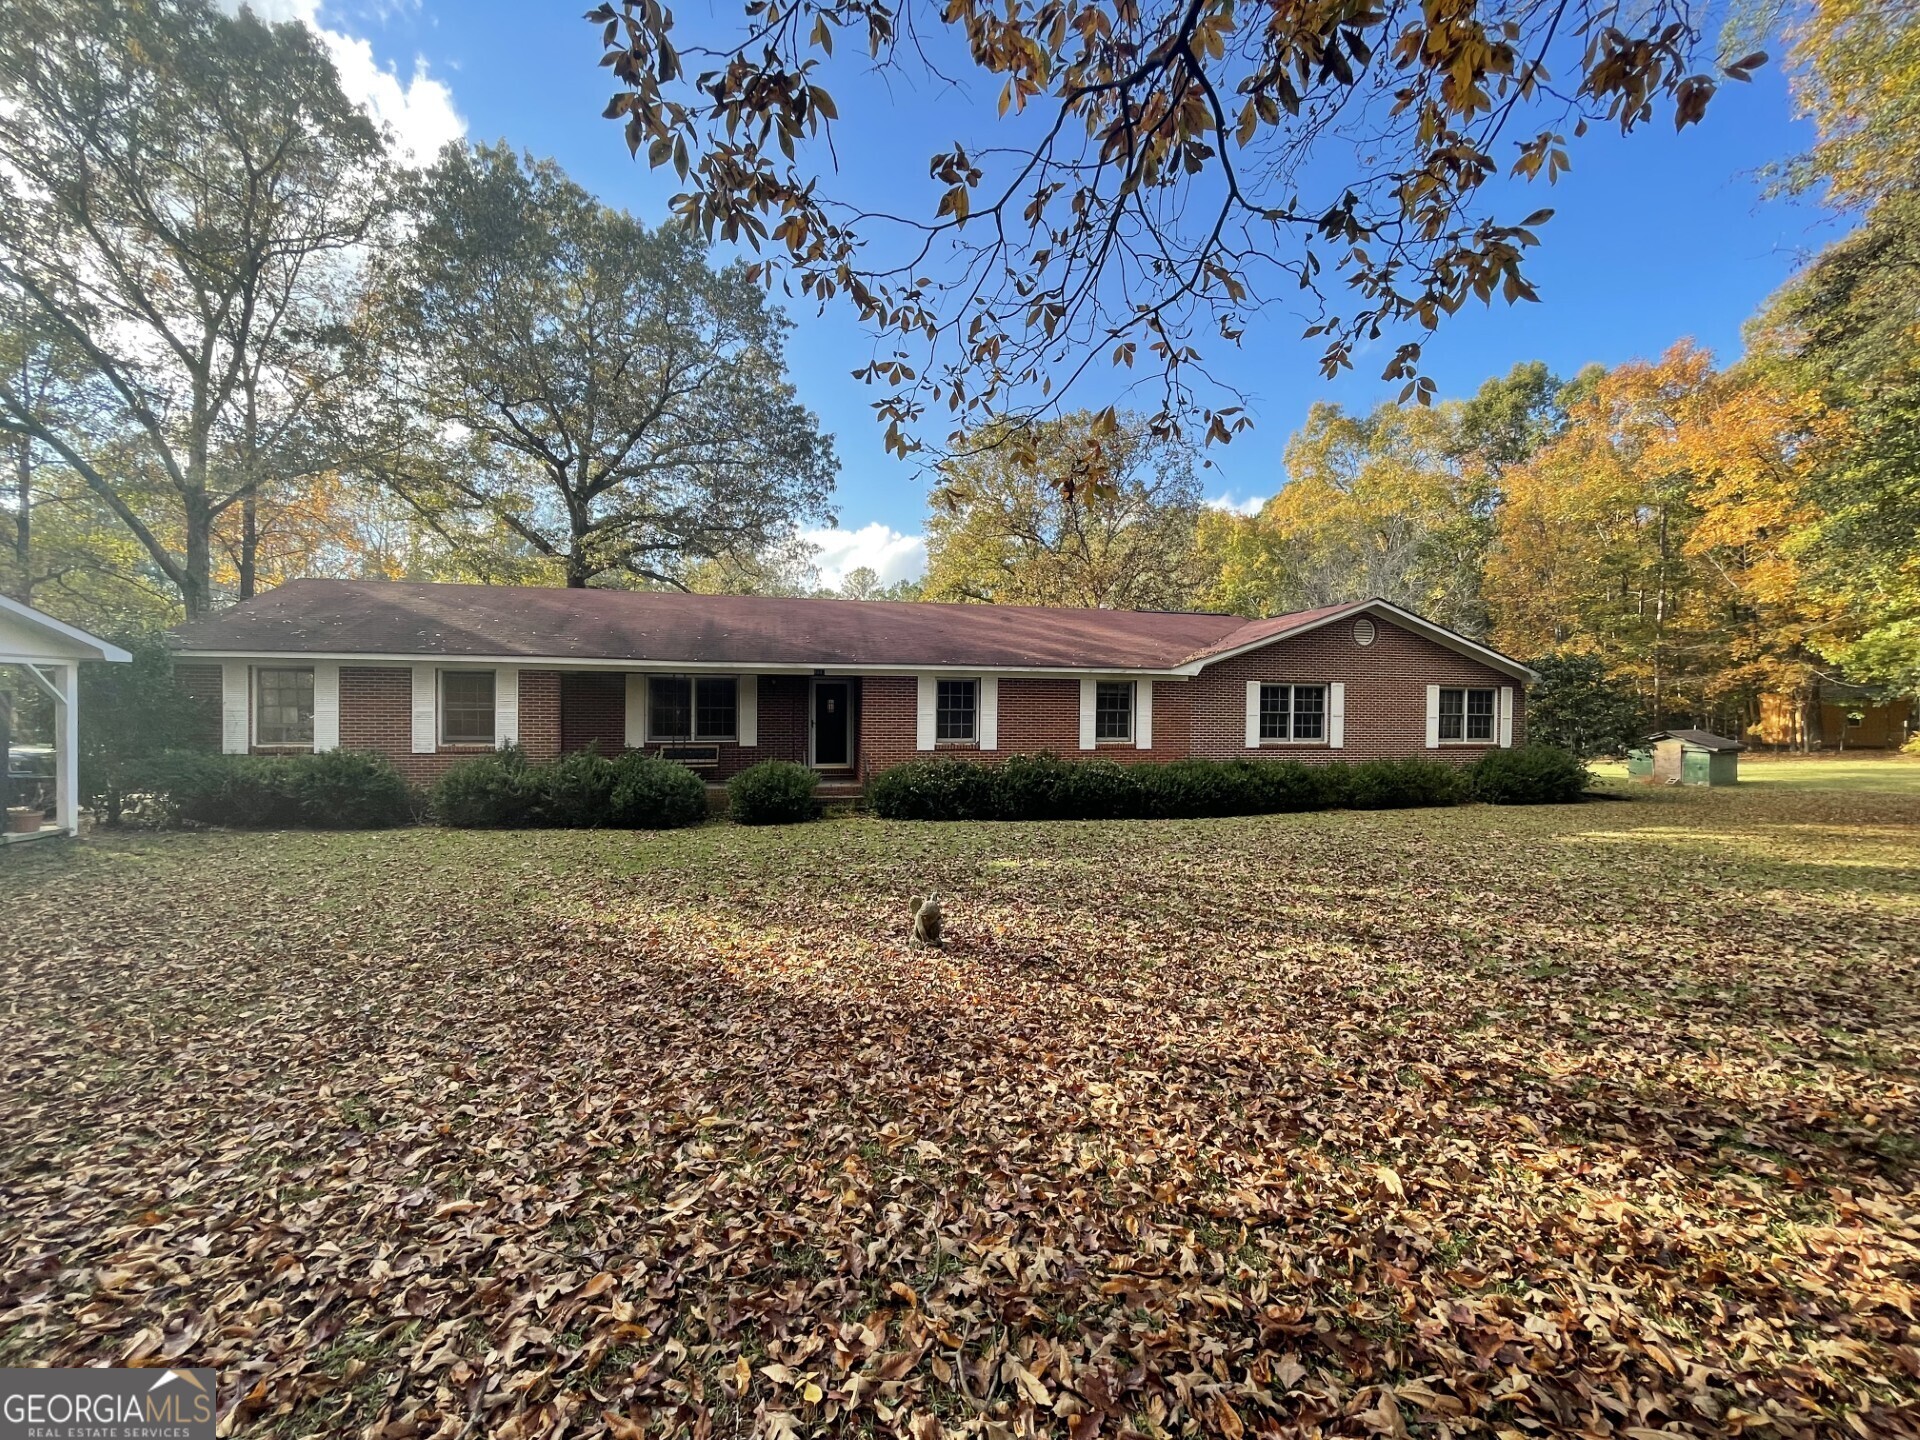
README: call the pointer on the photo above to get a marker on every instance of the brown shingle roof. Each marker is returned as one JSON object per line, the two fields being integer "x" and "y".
{"x": 352, "y": 617}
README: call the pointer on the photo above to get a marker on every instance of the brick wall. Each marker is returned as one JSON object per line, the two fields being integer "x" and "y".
{"x": 593, "y": 711}
{"x": 1035, "y": 715}
{"x": 539, "y": 713}
{"x": 376, "y": 713}
{"x": 1386, "y": 693}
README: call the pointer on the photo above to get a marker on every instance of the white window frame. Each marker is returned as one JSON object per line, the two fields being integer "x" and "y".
{"x": 440, "y": 709}
{"x": 1326, "y": 689}
{"x": 694, "y": 737}
{"x": 972, "y": 737}
{"x": 260, "y": 672}
{"x": 1130, "y": 710}
{"x": 1494, "y": 715}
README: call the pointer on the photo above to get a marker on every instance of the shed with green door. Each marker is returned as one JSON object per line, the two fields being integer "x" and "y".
{"x": 1694, "y": 757}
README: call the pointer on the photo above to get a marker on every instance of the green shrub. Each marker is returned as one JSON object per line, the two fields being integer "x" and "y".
{"x": 575, "y": 792}
{"x": 1188, "y": 788}
{"x": 1287, "y": 786}
{"x": 1534, "y": 775}
{"x": 1033, "y": 787}
{"x": 654, "y": 794}
{"x": 332, "y": 790}
{"x": 489, "y": 792}
{"x": 774, "y": 792}
{"x": 933, "y": 790}
{"x": 1101, "y": 790}
{"x": 1046, "y": 787}
{"x": 1403, "y": 785}
{"x": 349, "y": 790}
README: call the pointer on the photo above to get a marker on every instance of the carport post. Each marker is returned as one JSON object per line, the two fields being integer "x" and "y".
{"x": 66, "y": 759}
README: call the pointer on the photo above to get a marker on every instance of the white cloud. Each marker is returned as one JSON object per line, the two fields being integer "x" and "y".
{"x": 419, "y": 109}
{"x": 881, "y": 548}
{"x": 1249, "y": 506}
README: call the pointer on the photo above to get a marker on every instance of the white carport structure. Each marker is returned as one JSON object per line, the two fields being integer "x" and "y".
{"x": 50, "y": 651}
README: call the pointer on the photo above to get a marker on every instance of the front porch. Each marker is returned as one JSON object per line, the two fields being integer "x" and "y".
{"x": 718, "y": 725}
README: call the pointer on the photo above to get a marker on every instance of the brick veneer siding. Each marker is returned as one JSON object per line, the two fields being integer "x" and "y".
{"x": 199, "y": 687}
{"x": 593, "y": 711}
{"x": 1386, "y": 693}
{"x": 1035, "y": 715}
{"x": 376, "y": 713}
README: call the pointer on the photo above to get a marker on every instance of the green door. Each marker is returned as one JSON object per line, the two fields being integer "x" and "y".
{"x": 1696, "y": 767}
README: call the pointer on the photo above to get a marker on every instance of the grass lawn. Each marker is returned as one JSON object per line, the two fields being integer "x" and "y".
{"x": 1598, "y": 1121}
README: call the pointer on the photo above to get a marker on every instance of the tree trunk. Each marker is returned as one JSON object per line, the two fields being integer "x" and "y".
{"x": 1812, "y": 727}
{"x": 249, "y": 546}
{"x": 197, "y": 592}
{"x": 23, "y": 518}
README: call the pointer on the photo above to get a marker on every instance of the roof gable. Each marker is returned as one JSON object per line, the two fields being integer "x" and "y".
{"x": 1257, "y": 633}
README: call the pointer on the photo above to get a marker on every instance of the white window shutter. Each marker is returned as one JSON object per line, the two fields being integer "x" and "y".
{"x": 923, "y": 729}
{"x": 1433, "y": 717}
{"x": 636, "y": 726}
{"x": 506, "y": 705}
{"x": 236, "y": 707}
{"x": 1143, "y": 715}
{"x": 426, "y": 736}
{"x": 746, "y": 724}
{"x": 1337, "y": 715}
{"x": 1506, "y": 717}
{"x": 326, "y": 707}
{"x": 989, "y": 721}
{"x": 1089, "y": 698}
{"x": 1253, "y": 714}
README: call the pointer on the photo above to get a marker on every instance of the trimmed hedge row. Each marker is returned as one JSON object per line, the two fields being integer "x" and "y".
{"x": 1045, "y": 787}
{"x": 331, "y": 790}
{"x": 585, "y": 790}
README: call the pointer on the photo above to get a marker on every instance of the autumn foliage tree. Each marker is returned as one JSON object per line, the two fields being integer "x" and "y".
{"x": 1164, "y": 172}
{"x": 1007, "y": 531}
{"x": 182, "y": 192}
{"x": 1663, "y": 531}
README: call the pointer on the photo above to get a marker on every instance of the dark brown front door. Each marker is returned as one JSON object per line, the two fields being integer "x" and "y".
{"x": 832, "y": 727}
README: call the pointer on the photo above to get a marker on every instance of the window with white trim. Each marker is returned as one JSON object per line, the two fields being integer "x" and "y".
{"x": 956, "y": 709}
{"x": 466, "y": 707}
{"x": 1467, "y": 714}
{"x": 1293, "y": 713}
{"x": 283, "y": 707}
{"x": 1113, "y": 710}
{"x": 693, "y": 707}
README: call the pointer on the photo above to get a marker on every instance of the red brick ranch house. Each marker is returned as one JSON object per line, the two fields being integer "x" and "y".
{"x": 431, "y": 674}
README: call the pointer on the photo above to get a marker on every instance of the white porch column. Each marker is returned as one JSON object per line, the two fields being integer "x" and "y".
{"x": 66, "y": 759}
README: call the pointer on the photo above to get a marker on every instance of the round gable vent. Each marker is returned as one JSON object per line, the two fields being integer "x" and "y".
{"x": 1363, "y": 631}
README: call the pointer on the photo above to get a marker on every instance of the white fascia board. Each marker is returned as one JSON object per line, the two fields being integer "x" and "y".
{"x": 1406, "y": 619}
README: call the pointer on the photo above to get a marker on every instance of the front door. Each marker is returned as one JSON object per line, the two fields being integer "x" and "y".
{"x": 832, "y": 724}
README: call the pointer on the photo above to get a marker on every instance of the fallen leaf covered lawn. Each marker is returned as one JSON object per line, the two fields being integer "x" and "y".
{"x": 1592, "y": 1121}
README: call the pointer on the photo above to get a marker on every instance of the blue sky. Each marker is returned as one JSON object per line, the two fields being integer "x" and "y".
{"x": 1655, "y": 238}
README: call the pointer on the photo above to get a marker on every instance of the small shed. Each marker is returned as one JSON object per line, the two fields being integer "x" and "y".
{"x": 48, "y": 653}
{"x": 1694, "y": 757}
